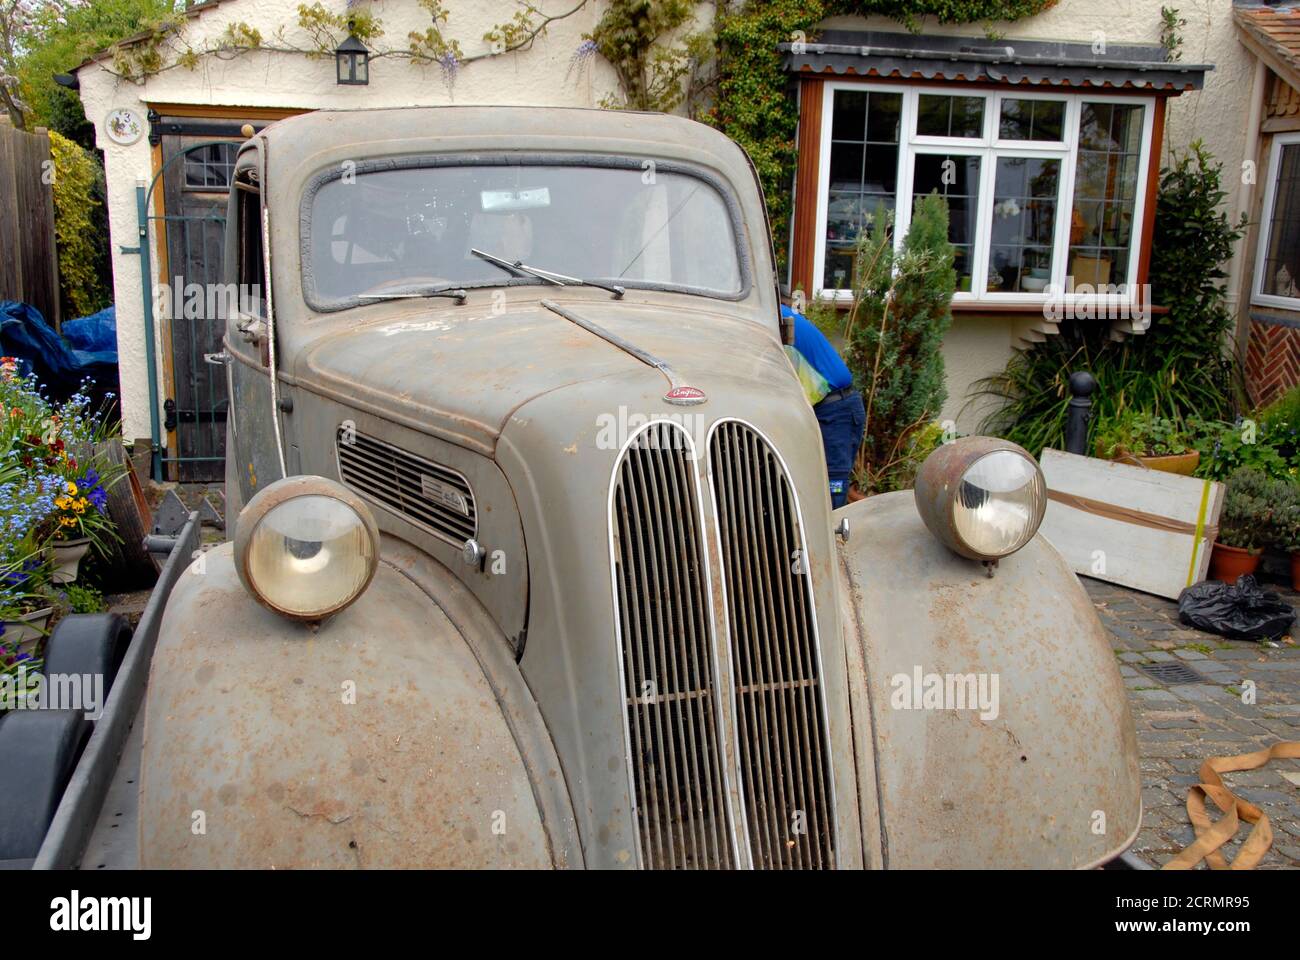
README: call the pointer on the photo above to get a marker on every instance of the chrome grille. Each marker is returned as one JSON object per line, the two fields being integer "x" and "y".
{"x": 780, "y": 711}
{"x": 427, "y": 494}
{"x": 667, "y": 655}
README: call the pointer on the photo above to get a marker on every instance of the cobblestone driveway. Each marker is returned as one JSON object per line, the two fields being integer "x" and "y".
{"x": 1179, "y": 725}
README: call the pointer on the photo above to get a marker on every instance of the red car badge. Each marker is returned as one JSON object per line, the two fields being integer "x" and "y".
{"x": 685, "y": 396}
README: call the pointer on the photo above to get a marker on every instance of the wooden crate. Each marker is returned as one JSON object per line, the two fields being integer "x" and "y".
{"x": 1129, "y": 525}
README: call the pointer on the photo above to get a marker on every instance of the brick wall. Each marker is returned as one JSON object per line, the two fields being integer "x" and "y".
{"x": 1272, "y": 358}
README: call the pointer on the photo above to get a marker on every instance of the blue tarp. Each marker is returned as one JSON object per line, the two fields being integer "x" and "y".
{"x": 96, "y": 333}
{"x": 25, "y": 334}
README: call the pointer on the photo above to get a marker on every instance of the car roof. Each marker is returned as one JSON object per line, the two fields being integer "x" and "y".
{"x": 406, "y": 130}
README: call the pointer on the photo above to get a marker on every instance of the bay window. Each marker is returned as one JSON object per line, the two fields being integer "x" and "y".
{"x": 1045, "y": 190}
{"x": 1277, "y": 262}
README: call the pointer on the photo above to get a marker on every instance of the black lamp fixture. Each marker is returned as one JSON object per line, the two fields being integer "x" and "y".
{"x": 353, "y": 61}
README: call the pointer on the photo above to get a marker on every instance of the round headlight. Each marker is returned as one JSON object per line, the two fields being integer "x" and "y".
{"x": 983, "y": 498}
{"x": 306, "y": 547}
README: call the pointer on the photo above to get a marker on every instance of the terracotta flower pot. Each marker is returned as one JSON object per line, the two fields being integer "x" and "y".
{"x": 1183, "y": 464}
{"x": 855, "y": 494}
{"x": 25, "y": 632}
{"x": 1229, "y": 563}
{"x": 1295, "y": 572}
{"x": 67, "y": 557}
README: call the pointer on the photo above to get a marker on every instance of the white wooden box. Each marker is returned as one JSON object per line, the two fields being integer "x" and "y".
{"x": 1130, "y": 525}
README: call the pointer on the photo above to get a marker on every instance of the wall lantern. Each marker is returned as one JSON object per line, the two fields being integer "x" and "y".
{"x": 353, "y": 61}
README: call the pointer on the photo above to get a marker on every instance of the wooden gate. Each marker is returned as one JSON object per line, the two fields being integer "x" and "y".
{"x": 29, "y": 260}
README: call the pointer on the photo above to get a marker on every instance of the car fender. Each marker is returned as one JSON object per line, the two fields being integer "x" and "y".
{"x": 398, "y": 733}
{"x": 1049, "y": 778}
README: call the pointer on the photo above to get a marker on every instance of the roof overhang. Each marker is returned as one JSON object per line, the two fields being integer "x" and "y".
{"x": 190, "y": 12}
{"x": 1012, "y": 61}
{"x": 1272, "y": 33}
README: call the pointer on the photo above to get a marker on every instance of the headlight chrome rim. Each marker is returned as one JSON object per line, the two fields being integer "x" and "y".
{"x": 939, "y": 486}
{"x": 280, "y": 494}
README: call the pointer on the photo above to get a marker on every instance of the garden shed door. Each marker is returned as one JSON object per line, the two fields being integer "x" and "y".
{"x": 194, "y": 159}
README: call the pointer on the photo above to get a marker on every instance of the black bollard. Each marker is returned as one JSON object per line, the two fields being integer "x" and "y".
{"x": 1082, "y": 386}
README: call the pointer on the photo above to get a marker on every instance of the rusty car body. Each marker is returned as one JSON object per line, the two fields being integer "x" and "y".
{"x": 605, "y": 629}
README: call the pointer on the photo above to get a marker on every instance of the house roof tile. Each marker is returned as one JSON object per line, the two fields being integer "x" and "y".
{"x": 1012, "y": 61}
{"x": 1273, "y": 31}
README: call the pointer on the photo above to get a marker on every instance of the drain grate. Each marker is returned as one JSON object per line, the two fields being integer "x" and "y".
{"x": 1171, "y": 674}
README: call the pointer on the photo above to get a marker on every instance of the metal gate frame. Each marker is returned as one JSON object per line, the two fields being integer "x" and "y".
{"x": 143, "y": 195}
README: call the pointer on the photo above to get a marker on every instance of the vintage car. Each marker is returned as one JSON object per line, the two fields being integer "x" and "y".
{"x": 533, "y": 561}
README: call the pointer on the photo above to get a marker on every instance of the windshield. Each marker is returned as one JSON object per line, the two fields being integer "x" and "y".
{"x": 386, "y": 231}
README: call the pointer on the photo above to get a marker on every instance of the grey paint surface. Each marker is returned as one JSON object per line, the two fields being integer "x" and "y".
{"x": 516, "y": 401}
{"x": 289, "y": 768}
{"x": 957, "y": 789}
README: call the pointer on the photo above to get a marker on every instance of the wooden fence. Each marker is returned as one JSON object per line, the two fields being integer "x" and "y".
{"x": 29, "y": 263}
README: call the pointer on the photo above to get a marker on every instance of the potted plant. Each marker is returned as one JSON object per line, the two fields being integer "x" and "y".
{"x": 78, "y": 521}
{"x": 24, "y": 607}
{"x": 1286, "y": 538}
{"x": 1245, "y": 525}
{"x": 1151, "y": 441}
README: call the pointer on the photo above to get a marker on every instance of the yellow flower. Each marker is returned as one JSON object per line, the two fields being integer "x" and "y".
{"x": 67, "y": 522}
{"x": 62, "y": 502}
{"x": 71, "y": 488}
{"x": 79, "y": 506}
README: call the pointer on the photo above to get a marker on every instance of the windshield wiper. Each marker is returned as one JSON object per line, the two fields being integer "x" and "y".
{"x": 442, "y": 290}
{"x": 518, "y": 267}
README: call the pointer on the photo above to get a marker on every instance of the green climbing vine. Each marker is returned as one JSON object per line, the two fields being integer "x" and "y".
{"x": 655, "y": 71}
{"x": 320, "y": 30}
{"x": 730, "y": 76}
{"x": 753, "y": 103}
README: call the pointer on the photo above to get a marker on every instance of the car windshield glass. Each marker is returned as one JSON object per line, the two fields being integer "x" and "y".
{"x": 393, "y": 231}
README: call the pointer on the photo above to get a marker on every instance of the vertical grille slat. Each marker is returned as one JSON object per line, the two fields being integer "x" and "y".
{"x": 667, "y": 655}
{"x": 394, "y": 478}
{"x": 780, "y": 702}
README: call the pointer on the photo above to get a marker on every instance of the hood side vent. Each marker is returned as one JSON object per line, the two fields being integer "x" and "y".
{"x": 426, "y": 494}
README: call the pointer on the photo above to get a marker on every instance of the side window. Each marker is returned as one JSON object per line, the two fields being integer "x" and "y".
{"x": 251, "y": 273}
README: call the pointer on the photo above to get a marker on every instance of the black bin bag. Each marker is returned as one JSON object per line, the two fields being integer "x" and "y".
{"x": 1238, "y": 610}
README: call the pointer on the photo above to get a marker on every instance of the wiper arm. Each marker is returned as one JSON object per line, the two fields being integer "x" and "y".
{"x": 558, "y": 279}
{"x": 455, "y": 293}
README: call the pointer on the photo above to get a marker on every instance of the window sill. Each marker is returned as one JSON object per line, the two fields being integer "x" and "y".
{"x": 977, "y": 307}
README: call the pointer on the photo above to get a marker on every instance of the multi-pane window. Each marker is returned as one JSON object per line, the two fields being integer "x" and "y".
{"x": 1043, "y": 189}
{"x": 1032, "y": 120}
{"x": 1105, "y": 192}
{"x": 939, "y": 115}
{"x": 863, "y": 173}
{"x": 209, "y": 168}
{"x": 957, "y": 179}
{"x": 1277, "y": 268}
{"x": 1022, "y": 229}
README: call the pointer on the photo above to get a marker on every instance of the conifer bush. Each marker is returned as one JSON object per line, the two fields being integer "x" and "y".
{"x": 902, "y": 307}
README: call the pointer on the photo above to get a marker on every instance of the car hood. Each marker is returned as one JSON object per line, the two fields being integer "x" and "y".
{"x": 461, "y": 373}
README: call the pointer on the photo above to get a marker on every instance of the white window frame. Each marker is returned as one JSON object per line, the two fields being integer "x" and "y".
{"x": 989, "y": 148}
{"x": 1257, "y": 296}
